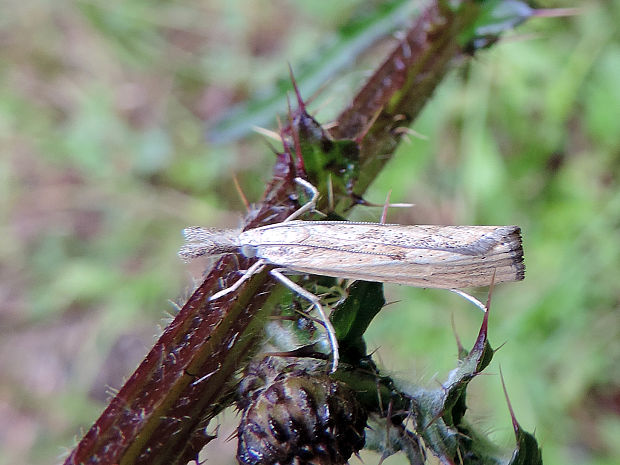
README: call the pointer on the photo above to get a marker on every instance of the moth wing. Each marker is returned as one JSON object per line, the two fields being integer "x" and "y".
{"x": 424, "y": 256}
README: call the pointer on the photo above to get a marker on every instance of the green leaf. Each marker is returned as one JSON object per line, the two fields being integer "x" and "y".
{"x": 352, "y": 316}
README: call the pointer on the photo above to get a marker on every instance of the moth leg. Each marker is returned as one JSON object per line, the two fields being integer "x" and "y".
{"x": 314, "y": 300}
{"x": 470, "y": 298}
{"x": 473, "y": 300}
{"x": 310, "y": 205}
{"x": 254, "y": 269}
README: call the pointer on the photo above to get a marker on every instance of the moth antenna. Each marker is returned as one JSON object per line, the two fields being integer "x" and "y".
{"x": 310, "y": 205}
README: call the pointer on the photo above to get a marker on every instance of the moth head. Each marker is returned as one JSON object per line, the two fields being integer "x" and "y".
{"x": 248, "y": 250}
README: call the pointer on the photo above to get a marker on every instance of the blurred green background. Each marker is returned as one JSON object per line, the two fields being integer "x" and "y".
{"x": 103, "y": 110}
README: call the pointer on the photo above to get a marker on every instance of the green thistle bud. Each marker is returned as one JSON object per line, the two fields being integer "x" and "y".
{"x": 291, "y": 415}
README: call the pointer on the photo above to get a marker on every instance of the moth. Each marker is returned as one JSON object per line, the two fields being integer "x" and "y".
{"x": 421, "y": 256}
{"x": 448, "y": 257}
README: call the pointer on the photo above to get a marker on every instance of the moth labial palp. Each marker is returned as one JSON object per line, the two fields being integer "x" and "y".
{"x": 448, "y": 257}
